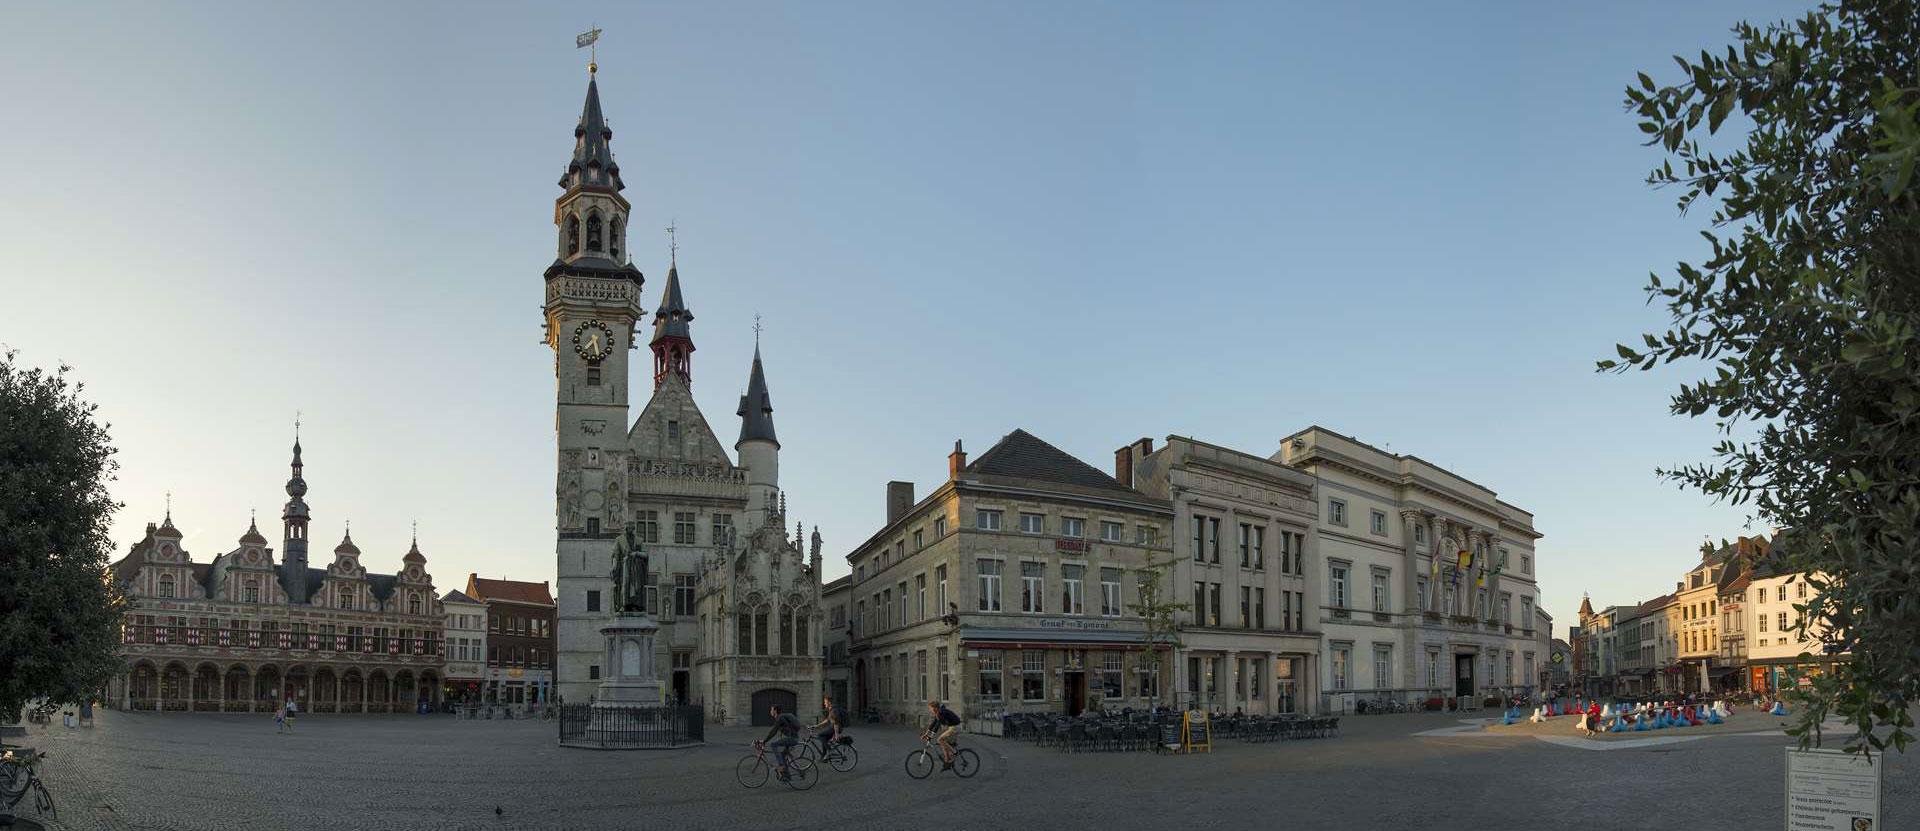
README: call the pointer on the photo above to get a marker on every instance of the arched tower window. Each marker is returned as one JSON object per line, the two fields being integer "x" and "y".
{"x": 613, "y": 237}
{"x": 573, "y": 235}
{"x": 593, "y": 232}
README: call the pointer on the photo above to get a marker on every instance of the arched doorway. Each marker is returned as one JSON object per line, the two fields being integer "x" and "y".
{"x": 238, "y": 690}
{"x": 206, "y": 689}
{"x": 353, "y": 692}
{"x": 379, "y": 692}
{"x": 173, "y": 687}
{"x": 143, "y": 687}
{"x": 299, "y": 687}
{"x": 266, "y": 689}
{"x": 405, "y": 692}
{"x": 326, "y": 691}
{"x": 430, "y": 689}
{"x": 764, "y": 700}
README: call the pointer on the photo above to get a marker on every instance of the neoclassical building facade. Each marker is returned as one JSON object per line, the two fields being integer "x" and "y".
{"x": 246, "y": 631}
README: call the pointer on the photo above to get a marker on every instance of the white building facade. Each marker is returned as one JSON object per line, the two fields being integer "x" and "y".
{"x": 466, "y": 647}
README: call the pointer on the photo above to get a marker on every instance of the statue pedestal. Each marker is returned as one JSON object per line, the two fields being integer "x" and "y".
{"x": 630, "y": 678}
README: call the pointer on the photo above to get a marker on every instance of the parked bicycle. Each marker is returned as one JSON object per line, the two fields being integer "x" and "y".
{"x": 18, "y": 775}
{"x": 838, "y": 755}
{"x": 920, "y": 762}
{"x": 753, "y": 769}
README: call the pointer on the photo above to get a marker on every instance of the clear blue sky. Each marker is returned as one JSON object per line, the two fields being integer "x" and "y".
{"x": 1417, "y": 224}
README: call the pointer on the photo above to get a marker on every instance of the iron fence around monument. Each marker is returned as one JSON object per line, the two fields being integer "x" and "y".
{"x": 610, "y": 728}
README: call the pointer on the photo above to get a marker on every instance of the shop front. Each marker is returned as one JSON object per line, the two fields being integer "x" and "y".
{"x": 1067, "y": 671}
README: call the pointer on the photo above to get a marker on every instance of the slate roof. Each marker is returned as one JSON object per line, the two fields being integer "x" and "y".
{"x": 512, "y": 591}
{"x": 456, "y": 596}
{"x": 756, "y": 407}
{"x": 1022, "y": 458}
{"x": 671, "y": 321}
{"x": 593, "y": 164}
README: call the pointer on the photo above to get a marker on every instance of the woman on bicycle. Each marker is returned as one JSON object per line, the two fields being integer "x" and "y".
{"x": 943, "y": 727}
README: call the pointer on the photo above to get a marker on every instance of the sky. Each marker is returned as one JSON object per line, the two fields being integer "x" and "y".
{"x": 1418, "y": 224}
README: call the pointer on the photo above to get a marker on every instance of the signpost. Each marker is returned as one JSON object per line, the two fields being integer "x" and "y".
{"x": 1831, "y": 790}
{"x": 1196, "y": 732}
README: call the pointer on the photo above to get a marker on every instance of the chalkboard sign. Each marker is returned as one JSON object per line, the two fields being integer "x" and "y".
{"x": 1199, "y": 732}
{"x": 1169, "y": 733}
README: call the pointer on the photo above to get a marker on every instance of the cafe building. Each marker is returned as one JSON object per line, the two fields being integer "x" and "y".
{"x": 1013, "y": 586}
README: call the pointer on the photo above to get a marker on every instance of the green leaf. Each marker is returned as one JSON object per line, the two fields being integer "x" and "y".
{"x": 1721, "y": 106}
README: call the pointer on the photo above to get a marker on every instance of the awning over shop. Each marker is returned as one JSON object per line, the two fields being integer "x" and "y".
{"x": 984, "y": 638}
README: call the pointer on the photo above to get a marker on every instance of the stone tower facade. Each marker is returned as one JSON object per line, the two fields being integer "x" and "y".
{"x": 592, "y": 304}
{"x": 736, "y": 598}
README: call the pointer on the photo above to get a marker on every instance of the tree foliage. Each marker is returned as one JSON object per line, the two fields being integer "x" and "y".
{"x": 1160, "y": 613}
{"x": 59, "y": 616}
{"x": 1807, "y": 316}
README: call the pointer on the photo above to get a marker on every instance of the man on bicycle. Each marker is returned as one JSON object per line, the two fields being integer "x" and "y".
{"x": 942, "y": 728}
{"x": 828, "y": 730}
{"x": 788, "y": 727}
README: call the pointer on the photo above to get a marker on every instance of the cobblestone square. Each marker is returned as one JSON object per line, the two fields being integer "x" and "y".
{"x": 179, "y": 771}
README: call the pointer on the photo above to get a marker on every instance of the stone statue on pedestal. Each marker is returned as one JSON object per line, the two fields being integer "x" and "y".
{"x": 630, "y": 576}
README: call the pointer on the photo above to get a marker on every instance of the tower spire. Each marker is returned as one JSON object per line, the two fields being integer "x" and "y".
{"x": 756, "y": 407}
{"x": 294, "y": 522}
{"x": 672, "y": 335}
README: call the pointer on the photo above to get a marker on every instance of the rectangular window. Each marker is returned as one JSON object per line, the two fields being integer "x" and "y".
{"x": 683, "y": 527}
{"x": 1420, "y": 590}
{"x": 1259, "y": 607}
{"x": 647, "y": 525}
{"x": 1110, "y": 592}
{"x": 919, "y": 539}
{"x": 989, "y": 574}
{"x": 986, "y": 520}
{"x": 886, "y": 609}
{"x": 1433, "y": 667}
{"x": 920, "y": 675}
{"x": 1342, "y": 655}
{"x": 1033, "y": 675}
{"x": 1033, "y": 582}
{"x": 1246, "y": 545}
{"x": 1337, "y": 585}
{"x": 1033, "y": 523}
{"x": 1259, "y": 547}
{"x": 919, "y": 598}
{"x": 1257, "y": 678}
{"x": 901, "y": 620}
{"x": 1199, "y": 538}
{"x": 1382, "y": 667}
{"x": 1112, "y": 668}
{"x": 1199, "y": 602}
{"x": 685, "y": 589}
{"x": 1149, "y": 681}
{"x": 1381, "y": 596}
{"x": 1111, "y": 531}
{"x": 1763, "y": 623}
{"x": 1299, "y": 611}
{"x": 1337, "y": 512}
{"x": 593, "y": 672}
{"x": 1783, "y": 619}
{"x": 1246, "y": 607}
{"x": 940, "y": 588}
{"x": 1213, "y": 539}
{"x": 1213, "y": 597}
{"x": 1286, "y": 611}
{"x": 1419, "y": 533}
{"x": 1800, "y": 590}
{"x": 1377, "y": 522}
{"x": 939, "y": 527}
{"x": 673, "y": 430}
{"x": 1145, "y": 535}
{"x": 1526, "y": 616}
{"x": 1071, "y": 527}
{"x": 1073, "y": 598}
{"x": 250, "y": 594}
{"x": 991, "y": 674}
{"x": 1526, "y": 564}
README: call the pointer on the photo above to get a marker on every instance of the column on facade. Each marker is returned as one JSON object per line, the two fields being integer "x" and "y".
{"x": 1409, "y": 588}
{"x": 1437, "y": 531}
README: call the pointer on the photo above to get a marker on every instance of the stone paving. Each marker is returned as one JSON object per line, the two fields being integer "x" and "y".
{"x": 181, "y": 771}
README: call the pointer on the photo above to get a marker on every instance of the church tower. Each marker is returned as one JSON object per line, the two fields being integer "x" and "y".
{"x": 592, "y": 304}
{"x": 672, "y": 336}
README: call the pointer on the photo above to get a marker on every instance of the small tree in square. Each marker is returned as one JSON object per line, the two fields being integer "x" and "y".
{"x": 1160, "y": 613}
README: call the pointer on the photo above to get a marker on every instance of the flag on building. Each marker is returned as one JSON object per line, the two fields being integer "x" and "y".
{"x": 585, "y": 40}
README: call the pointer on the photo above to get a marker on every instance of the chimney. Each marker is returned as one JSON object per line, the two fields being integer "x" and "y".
{"x": 899, "y": 499}
{"x": 1124, "y": 458}
{"x": 955, "y": 461}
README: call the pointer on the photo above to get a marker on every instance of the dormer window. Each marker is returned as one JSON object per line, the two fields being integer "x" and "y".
{"x": 165, "y": 586}
{"x": 346, "y": 598}
{"x": 593, "y": 232}
{"x": 413, "y": 603}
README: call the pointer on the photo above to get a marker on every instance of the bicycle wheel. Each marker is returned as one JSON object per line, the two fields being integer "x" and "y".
{"x": 751, "y": 771}
{"x": 966, "y": 763}
{"x": 805, "y": 750}
{"x": 43, "y": 801}
{"x": 802, "y": 773}
{"x": 920, "y": 764}
{"x": 844, "y": 758}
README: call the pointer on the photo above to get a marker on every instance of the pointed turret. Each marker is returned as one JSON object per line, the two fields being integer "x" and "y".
{"x": 756, "y": 408}
{"x": 593, "y": 165}
{"x": 672, "y": 333}
{"x": 1586, "y": 607}
{"x": 294, "y": 536}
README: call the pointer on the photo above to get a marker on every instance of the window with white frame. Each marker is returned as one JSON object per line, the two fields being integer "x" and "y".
{"x": 940, "y": 589}
{"x": 1377, "y": 522}
{"x": 1246, "y": 545}
{"x": 919, "y": 597}
{"x": 1337, "y": 584}
{"x": 683, "y": 527}
{"x": 1073, "y": 598}
{"x": 989, "y": 578}
{"x": 1382, "y": 667}
{"x": 1033, "y": 675}
{"x": 1072, "y": 527}
{"x": 1433, "y": 669}
{"x": 1033, "y": 523}
{"x": 1420, "y": 592}
{"x": 1419, "y": 532}
{"x": 1381, "y": 594}
{"x": 1110, "y": 592}
{"x": 1337, "y": 512}
{"x": 1111, "y": 531}
{"x": 986, "y": 520}
{"x": 1112, "y": 668}
{"x": 991, "y": 675}
{"x": 940, "y": 657}
{"x": 939, "y": 527}
{"x": 685, "y": 591}
{"x": 1259, "y": 547}
{"x": 1033, "y": 584}
{"x": 1342, "y": 656}
{"x": 1199, "y": 524}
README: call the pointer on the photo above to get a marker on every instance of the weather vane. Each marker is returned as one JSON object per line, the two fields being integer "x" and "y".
{"x": 756, "y": 330}
{"x": 587, "y": 41}
{"x": 673, "y": 242}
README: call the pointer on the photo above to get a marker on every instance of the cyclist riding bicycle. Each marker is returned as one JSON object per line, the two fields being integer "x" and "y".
{"x": 789, "y": 728}
{"x": 831, "y": 720}
{"x": 944, "y": 725}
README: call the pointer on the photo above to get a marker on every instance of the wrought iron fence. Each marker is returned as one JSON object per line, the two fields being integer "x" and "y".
{"x": 673, "y": 725}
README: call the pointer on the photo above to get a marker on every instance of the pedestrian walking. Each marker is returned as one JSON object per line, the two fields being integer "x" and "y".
{"x": 293, "y": 709}
{"x": 280, "y": 718}
{"x": 86, "y": 713}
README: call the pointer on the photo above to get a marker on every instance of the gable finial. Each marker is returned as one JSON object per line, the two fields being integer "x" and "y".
{"x": 416, "y": 533}
{"x": 169, "y": 507}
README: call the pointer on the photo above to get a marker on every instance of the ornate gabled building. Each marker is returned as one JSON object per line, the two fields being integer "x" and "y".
{"x": 737, "y": 599}
{"x": 243, "y": 633}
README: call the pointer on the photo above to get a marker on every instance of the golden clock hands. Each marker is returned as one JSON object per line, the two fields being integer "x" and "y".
{"x": 593, "y": 344}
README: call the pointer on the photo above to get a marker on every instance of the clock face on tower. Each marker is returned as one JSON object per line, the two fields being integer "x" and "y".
{"x": 593, "y": 340}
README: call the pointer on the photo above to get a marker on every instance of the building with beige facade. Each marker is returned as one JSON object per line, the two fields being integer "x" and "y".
{"x": 1250, "y": 637}
{"x": 1012, "y": 586}
{"x": 1427, "y": 579}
